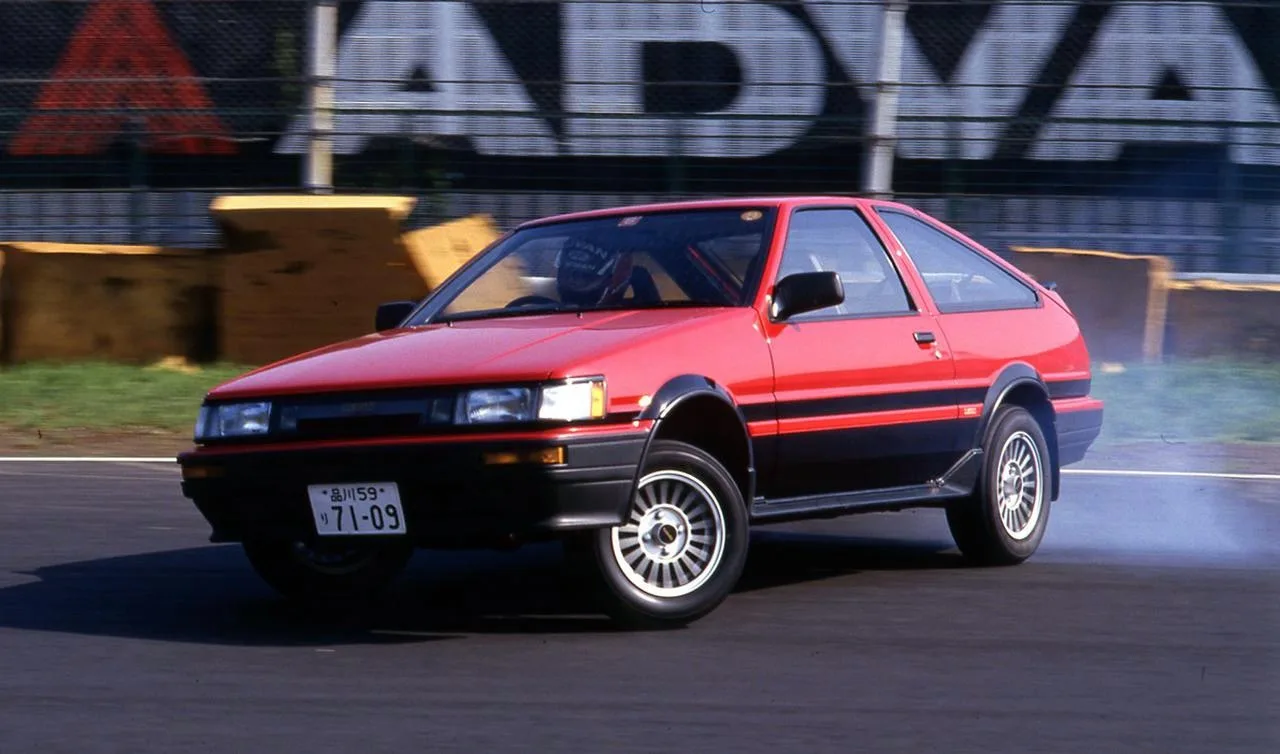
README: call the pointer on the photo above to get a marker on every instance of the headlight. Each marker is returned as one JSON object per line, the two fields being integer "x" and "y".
{"x": 508, "y": 404}
{"x": 573, "y": 401}
{"x": 570, "y": 401}
{"x": 233, "y": 420}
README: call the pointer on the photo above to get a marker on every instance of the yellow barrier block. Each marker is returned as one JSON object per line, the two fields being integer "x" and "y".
{"x": 398, "y": 206}
{"x": 4, "y": 298}
{"x": 1210, "y": 284}
{"x": 1215, "y": 318}
{"x": 1121, "y": 300}
{"x": 300, "y": 272}
{"x": 441, "y": 250}
{"x": 131, "y": 304}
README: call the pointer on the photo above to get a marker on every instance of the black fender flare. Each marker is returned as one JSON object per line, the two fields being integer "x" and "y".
{"x": 1013, "y": 376}
{"x": 677, "y": 391}
{"x": 1010, "y": 377}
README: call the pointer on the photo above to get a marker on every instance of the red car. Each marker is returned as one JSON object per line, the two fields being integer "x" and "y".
{"x": 647, "y": 382}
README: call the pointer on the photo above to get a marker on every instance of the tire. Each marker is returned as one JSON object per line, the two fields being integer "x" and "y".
{"x": 330, "y": 573}
{"x": 686, "y": 499}
{"x": 985, "y": 528}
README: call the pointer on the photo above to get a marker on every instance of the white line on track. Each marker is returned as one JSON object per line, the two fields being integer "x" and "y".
{"x": 82, "y": 459}
{"x": 1080, "y": 472}
{"x": 1177, "y": 474}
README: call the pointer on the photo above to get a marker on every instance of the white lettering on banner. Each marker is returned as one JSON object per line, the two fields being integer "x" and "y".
{"x": 783, "y": 78}
{"x": 447, "y": 41}
{"x": 1135, "y": 47}
{"x": 989, "y": 82}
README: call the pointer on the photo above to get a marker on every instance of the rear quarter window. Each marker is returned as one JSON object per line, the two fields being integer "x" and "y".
{"x": 959, "y": 278}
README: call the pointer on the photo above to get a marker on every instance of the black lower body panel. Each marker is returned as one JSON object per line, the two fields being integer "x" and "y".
{"x": 449, "y": 494}
{"x": 863, "y": 459}
{"x": 1077, "y": 431}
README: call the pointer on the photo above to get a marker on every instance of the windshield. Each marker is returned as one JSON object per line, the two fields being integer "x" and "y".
{"x": 705, "y": 257}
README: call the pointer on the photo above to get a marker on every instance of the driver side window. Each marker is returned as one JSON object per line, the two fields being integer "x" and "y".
{"x": 838, "y": 240}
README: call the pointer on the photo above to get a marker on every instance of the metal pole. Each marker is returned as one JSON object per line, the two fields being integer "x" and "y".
{"x": 322, "y": 29}
{"x": 137, "y": 130}
{"x": 878, "y": 176}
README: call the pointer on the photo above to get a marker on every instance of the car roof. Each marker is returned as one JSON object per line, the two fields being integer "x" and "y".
{"x": 779, "y": 202}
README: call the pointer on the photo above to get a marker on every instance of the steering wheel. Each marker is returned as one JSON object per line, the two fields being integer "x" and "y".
{"x": 531, "y": 300}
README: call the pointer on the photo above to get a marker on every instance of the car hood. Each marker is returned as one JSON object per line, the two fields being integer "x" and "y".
{"x": 531, "y": 347}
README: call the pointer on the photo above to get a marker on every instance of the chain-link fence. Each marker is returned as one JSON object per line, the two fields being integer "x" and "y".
{"x": 113, "y": 111}
{"x": 1128, "y": 124}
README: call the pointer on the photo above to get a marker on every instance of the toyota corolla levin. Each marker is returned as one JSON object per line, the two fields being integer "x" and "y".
{"x": 645, "y": 383}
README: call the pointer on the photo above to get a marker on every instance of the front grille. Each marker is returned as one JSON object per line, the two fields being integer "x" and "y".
{"x": 356, "y": 416}
{"x": 359, "y": 426}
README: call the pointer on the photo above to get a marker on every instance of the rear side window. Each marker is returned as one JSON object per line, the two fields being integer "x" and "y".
{"x": 960, "y": 278}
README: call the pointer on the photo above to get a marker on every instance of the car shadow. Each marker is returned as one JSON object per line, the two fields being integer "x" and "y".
{"x": 209, "y": 595}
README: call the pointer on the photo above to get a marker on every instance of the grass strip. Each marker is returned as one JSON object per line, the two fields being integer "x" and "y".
{"x": 1201, "y": 401}
{"x": 105, "y": 397}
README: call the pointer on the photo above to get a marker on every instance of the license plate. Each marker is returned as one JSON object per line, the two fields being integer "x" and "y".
{"x": 356, "y": 509}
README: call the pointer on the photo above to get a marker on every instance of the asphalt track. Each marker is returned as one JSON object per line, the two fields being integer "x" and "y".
{"x": 1149, "y": 621}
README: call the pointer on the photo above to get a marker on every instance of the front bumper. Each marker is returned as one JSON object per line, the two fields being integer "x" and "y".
{"x": 449, "y": 493}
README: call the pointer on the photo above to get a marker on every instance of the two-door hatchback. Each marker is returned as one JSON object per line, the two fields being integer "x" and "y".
{"x": 645, "y": 383}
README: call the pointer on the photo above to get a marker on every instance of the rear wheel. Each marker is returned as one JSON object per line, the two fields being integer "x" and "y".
{"x": 328, "y": 572}
{"x": 682, "y": 547}
{"x": 1003, "y": 522}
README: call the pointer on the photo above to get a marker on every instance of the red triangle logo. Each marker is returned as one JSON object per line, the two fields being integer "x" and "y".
{"x": 121, "y": 64}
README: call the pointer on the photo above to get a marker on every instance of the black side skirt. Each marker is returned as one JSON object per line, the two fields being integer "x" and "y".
{"x": 958, "y": 482}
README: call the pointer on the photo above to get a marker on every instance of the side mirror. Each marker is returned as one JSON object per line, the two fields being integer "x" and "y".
{"x": 806, "y": 292}
{"x": 390, "y": 315}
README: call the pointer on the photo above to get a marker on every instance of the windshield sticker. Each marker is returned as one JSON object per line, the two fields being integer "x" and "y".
{"x": 752, "y": 215}
{"x": 627, "y": 222}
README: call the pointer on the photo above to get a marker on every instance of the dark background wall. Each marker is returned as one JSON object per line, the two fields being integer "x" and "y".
{"x": 144, "y": 155}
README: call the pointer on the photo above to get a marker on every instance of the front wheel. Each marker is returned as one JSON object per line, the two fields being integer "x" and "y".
{"x": 682, "y": 547}
{"x": 328, "y": 572}
{"x": 1004, "y": 520}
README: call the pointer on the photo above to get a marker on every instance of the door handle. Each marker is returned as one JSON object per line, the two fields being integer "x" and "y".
{"x": 924, "y": 337}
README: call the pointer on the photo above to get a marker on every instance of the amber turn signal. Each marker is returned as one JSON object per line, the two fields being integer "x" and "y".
{"x": 546, "y": 456}
{"x": 200, "y": 472}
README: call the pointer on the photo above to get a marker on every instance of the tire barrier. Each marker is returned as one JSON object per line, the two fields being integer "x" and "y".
{"x": 293, "y": 273}
{"x": 1137, "y": 308}
{"x": 129, "y": 304}
{"x": 299, "y": 272}
{"x": 439, "y": 251}
{"x": 1227, "y": 316}
{"x": 1121, "y": 300}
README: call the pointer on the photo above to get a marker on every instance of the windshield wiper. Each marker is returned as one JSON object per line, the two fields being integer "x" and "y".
{"x": 524, "y": 311}
{"x": 636, "y": 306}
{"x": 520, "y": 311}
